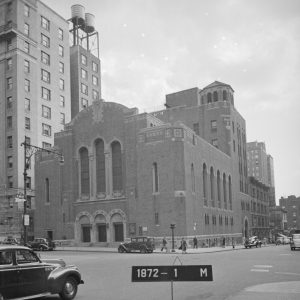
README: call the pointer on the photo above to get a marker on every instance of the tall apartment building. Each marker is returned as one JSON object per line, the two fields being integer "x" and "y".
{"x": 37, "y": 57}
{"x": 261, "y": 167}
{"x": 292, "y": 206}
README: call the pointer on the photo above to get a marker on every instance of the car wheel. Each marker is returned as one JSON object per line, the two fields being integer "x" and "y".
{"x": 41, "y": 248}
{"x": 69, "y": 289}
{"x": 143, "y": 250}
{"x": 120, "y": 250}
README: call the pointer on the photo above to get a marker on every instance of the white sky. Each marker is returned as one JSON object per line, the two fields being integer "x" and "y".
{"x": 149, "y": 48}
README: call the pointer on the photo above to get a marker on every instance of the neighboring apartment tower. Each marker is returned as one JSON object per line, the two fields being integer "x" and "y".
{"x": 261, "y": 167}
{"x": 34, "y": 95}
{"x": 292, "y": 206}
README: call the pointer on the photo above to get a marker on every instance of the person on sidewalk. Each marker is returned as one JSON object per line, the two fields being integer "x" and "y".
{"x": 183, "y": 246}
{"x": 164, "y": 245}
{"x": 195, "y": 241}
{"x": 224, "y": 242}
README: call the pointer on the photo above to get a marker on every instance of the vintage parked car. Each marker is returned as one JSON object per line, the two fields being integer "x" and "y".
{"x": 41, "y": 244}
{"x": 141, "y": 244}
{"x": 295, "y": 241}
{"x": 10, "y": 241}
{"x": 253, "y": 241}
{"x": 23, "y": 275}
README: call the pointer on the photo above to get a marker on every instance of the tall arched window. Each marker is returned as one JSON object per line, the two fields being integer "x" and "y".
{"x": 225, "y": 97}
{"x": 215, "y": 96}
{"x": 154, "y": 178}
{"x": 204, "y": 178}
{"x": 47, "y": 190}
{"x": 193, "y": 178}
{"x": 212, "y": 186}
{"x": 117, "y": 176}
{"x": 224, "y": 191}
{"x": 230, "y": 192}
{"x": 100, "y": 166}
{"x": 219, "y": 188}
{"x": 84, "y": 171}
{"x": 209, "y": 98}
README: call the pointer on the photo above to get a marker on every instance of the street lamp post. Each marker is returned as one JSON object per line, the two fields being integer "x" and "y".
{"x": 29, "y": 150}
{"x": 172, "y": 226}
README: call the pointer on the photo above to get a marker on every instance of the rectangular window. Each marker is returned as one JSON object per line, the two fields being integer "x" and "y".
{"x": 45, "y": 41}
{"x": 9, "y": 142}
{"x": 95, "y": 80}
{"x": 84, "y": 89}
{"x": 61, "y": 67}
{"x": 9, "y": 83}
{"x": 46, "y": 112}
{"x": 27, "y": 104}
{"x": 9, "y": 45}
{"x": 61, "y": 51}
{"x": 26, "y": 10}
{"x": 213, "y": 125}
{"x": 61, "y": 84}
{"x": 46, "y": 145}
{"x": 9, "y": 63}
{"x": 27, "y": 123}
{"x": 27, "y": 85}
{"x": 155, "y": 178}
{"x": 28, "y": 182}
{"x": 95, "y": 95}
{"x": 26, "y": 29}
{"x": 26, "y": 66}
{"x": 62, "y": 118}
{"x": 26, "y": 47}
{"x": 45, "y": 58}
{"x": 10, "y": 181}
{"x": 46, "y": 129}
{"x": 60, "y": 34}
{"x": 84, "y": 103}
{"x": 62, "y": 101}
{"x": 9, "y": 162}
{"x": 95, "y": 66}
{"x": 45, "y": 23}
{"x": 9, "y": 122}
{"x": 83, "y": 59}
{"x": 83, "y": 74}
{"x": 45, "y": 76}
{"x": 46, "y": 94}
{"x": 9, "y": 102}
{"x": 47, "y": 190}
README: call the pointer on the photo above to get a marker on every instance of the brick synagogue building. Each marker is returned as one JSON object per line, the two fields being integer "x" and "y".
{"x": 128, "y": 174}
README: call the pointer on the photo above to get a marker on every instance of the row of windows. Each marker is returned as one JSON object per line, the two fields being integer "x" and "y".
{"x": 214, "y": 97}
{"x": 84, "y": 75}
{"x": 255, "y": 207}
{"x": 100, "y": 166}
{"x": 214, "y": 220}
{"x": 84, "y": 62}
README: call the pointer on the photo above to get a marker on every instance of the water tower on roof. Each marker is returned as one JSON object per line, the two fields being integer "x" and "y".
{"x": 83, "y": 29}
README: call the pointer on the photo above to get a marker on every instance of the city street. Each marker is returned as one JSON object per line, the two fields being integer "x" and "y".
{"x": 237, "y": 274}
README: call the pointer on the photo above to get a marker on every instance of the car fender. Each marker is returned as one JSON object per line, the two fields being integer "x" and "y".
{"x": 58, "y": 276}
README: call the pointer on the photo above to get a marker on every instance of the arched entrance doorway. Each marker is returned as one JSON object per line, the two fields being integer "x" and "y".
{"x": 101, "y": 228}
{"x": 118, "y": 227}
{"x": 85, "y": 228}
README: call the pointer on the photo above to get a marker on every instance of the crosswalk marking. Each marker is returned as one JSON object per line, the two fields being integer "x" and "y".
{"x": 259, "y": 270}
{"x": 262, "y": 266}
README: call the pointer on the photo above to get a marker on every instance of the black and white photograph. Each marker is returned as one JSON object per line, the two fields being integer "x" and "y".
{"x": 149, "y": 149}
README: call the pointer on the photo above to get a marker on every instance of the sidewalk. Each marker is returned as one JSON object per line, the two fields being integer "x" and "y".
{"x": 156, "y": 251}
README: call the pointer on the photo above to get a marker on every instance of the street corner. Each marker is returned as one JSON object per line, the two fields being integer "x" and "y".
{"x": 270, "y": 291}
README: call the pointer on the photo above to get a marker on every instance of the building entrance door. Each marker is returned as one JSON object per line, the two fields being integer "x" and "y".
{"x": 102, "y": 237}
{"x": 86, "y": 233}
{"x": 119, "y": 232}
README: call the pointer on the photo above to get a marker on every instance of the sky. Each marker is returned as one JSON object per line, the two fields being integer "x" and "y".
{"x": 150, "y": 48}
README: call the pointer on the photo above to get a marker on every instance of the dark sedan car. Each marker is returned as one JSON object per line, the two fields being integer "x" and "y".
{"x": 41, "y": 244}
{"x": 141, "y": 244}
{"x": 23, "y": 275}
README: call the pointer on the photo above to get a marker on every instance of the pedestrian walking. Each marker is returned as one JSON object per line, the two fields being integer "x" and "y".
{"x": 195, "y": 241}
{"x": 224, "y": 242}
{"x": 164, "y": 245}
{"x": 183, "y": 246}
